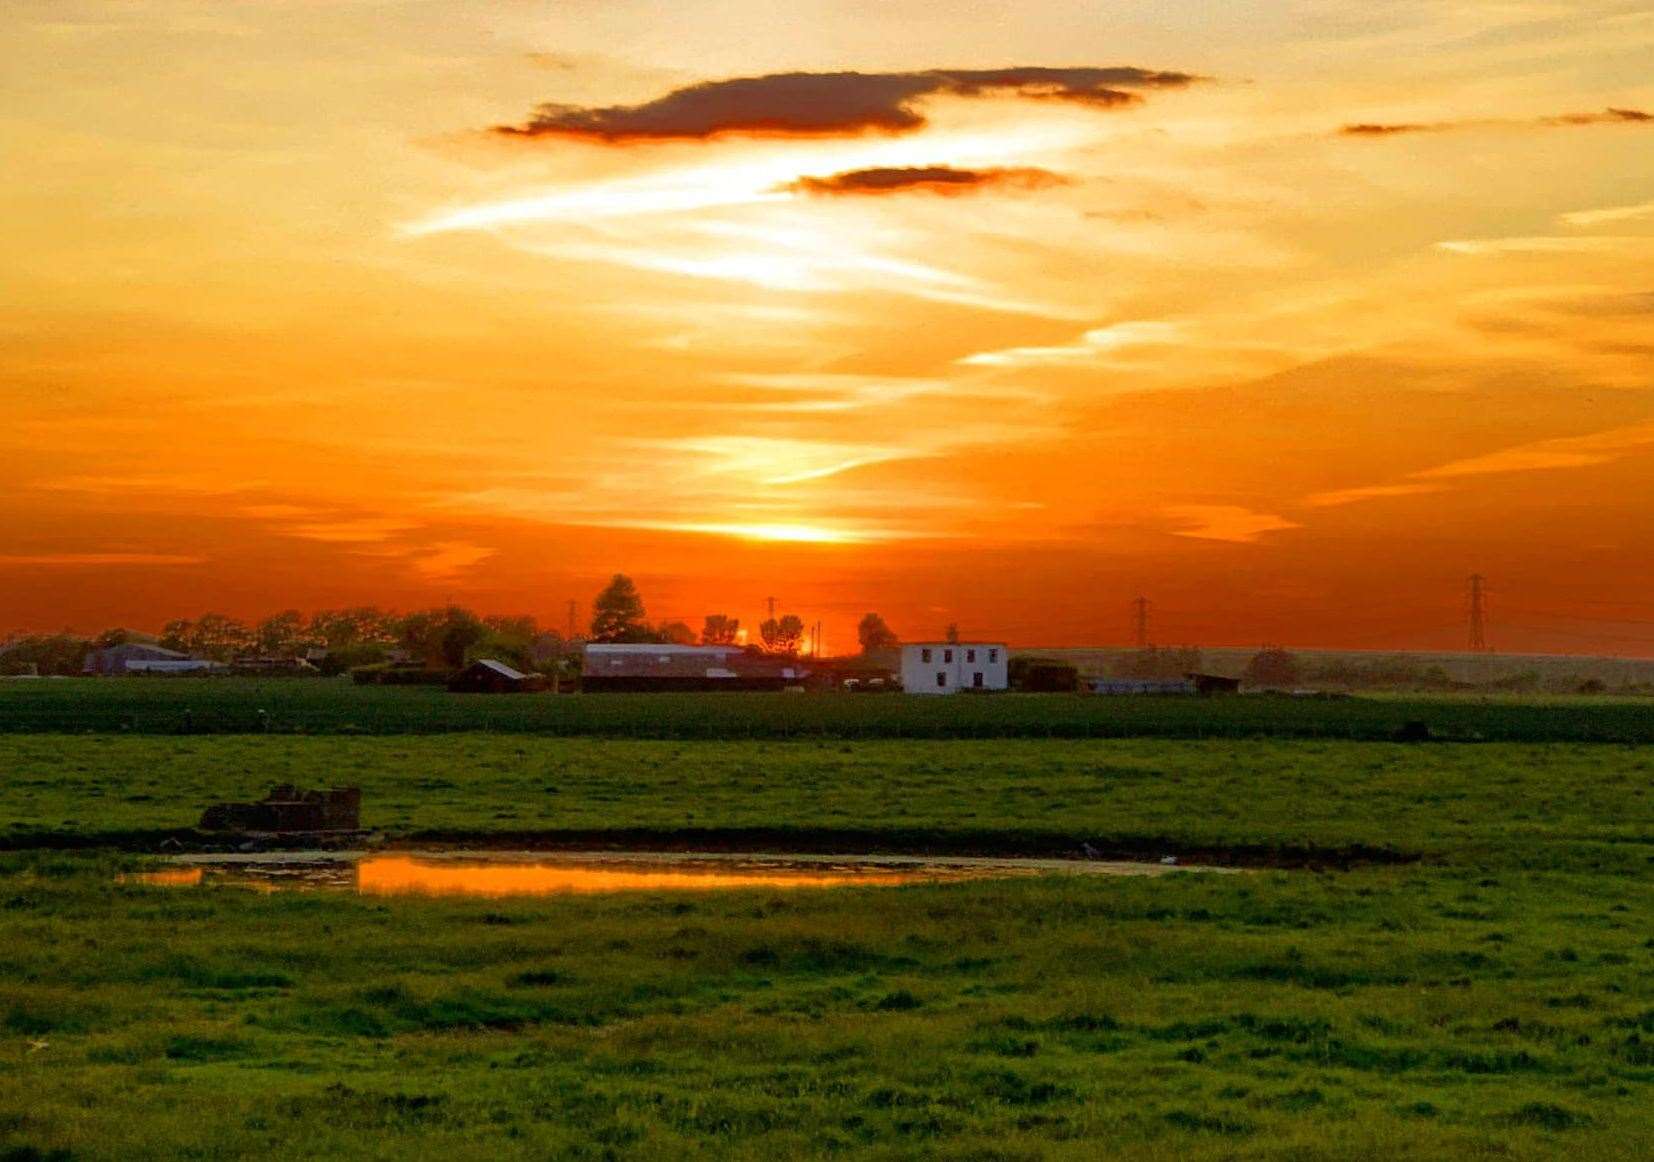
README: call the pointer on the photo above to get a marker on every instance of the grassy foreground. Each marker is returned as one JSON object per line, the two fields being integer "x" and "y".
{"x": 1494, "y": 1000}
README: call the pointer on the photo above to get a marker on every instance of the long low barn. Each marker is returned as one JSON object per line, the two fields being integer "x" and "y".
{"x": 614, "y": 668}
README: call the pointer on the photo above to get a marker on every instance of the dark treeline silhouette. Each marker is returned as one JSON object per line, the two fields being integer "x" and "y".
{"x": 448, "y": 637}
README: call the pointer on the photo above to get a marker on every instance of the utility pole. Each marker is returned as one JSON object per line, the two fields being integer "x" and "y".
{"x": 1140, "y": 621}
{"x": 1478, "y": 616}
{"x": 771, "y": 600}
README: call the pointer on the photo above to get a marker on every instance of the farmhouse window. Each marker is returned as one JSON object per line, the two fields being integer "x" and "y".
{"x": 993, "y": 655}
{"x": 941, "y": 677}
{"x": 970, "y": 655}
{"x": 947, "y": 655}
{"x": 924, "y": 655}
{"x": 976, "y": 679}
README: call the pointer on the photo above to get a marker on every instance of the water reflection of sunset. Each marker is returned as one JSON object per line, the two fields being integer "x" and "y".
{"x": 170, "y": 877}
{"x": 395, "y": 875}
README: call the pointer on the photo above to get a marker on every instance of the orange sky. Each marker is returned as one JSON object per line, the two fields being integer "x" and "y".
{"x": 289, "y": 321}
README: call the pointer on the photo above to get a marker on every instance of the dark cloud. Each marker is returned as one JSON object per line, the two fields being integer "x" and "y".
{"x": 1377, "y": 129}
{"x": 1605, "y": 117}
{"x": 935, "y": 179}
{"x": 830, "y": 103}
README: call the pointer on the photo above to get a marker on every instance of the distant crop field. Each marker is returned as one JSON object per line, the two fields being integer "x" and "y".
{"x": 319, "y": 706}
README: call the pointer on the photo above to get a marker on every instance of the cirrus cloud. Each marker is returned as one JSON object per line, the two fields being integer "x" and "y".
{"x": 831, "y": 104}
{"x": 1609, "y": 116}
{"x": 931, "y": 179}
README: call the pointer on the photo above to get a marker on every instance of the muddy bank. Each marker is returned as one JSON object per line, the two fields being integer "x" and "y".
{"x": 742, "y": 840}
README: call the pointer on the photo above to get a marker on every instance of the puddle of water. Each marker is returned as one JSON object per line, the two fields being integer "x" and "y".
{"x": 508, "y": 874}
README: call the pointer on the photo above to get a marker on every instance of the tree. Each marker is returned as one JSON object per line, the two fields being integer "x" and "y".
{"x": 617, "y": 614}
{"x": 460, "y": 630}
{"x": 675, "y": 633}
{"x": 781, "y": 636}
{"x": 218, "y": 637}
{"x": 719, "y": 630}
{"x": 175, "y": 634}
{"x": 46, "y": 654}
{"x": 1273, "y": 667}
{"x": 874, "y": 634}
{"x": 440, "y": 637}
{"x": 279, "y": 636}
{"x": 364, "y": 625}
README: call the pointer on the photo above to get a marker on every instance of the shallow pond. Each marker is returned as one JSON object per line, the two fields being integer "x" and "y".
{"x": 540, "y": 874}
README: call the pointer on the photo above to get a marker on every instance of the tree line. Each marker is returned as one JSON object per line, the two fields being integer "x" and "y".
{"x": 336, "y": 640}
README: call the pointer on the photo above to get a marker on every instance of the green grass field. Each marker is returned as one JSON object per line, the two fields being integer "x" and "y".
{"x": 319, "y": 706}
{"x": 1494, "y": 999}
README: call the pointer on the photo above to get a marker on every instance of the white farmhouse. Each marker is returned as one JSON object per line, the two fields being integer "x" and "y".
{"x": 948, "y": 667}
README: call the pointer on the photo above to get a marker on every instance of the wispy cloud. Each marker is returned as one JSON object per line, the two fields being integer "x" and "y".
{"x": 811, "y": 534}
{"x": 931, "y": 179}
{"x": 94, "y": 560}
{"x": 353, "y": 531}
{"x": 1535, "y": 244}
{"x": 149, "y": 484}
{"x": 1608, "y": 214}
{"x": 829, "y": 104}
{"x": 1224, "y": 522}
{"x": 1545, "y": 455}
{"x": 830, "y": 392}
{"x": 776, "y": 461}
{"x": 450, "y": 559}
{"x": 1609, "y": 116}
{"x": 1343, "y": 496}
{"x": 1538, "y": 456}
{"x": 1094, "y": 343}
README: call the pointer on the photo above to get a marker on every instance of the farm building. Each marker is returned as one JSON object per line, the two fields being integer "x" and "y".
{"x": 947, "y": 667}
{"x": 143, "y": 658}
{"x": 1119, "y": 686}
{"x": 487, "y": 676}
{"x": 613, "y": 667}
{"x": 1207, "y": 685}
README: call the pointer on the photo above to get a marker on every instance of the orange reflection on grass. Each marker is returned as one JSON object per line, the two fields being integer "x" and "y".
{"x": 394, "y": 875}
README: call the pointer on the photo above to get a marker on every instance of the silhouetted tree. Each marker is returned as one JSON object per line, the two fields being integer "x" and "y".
{"x": 175, "y": 634}
{"x": 874, "y": 634}
{"x": 1272, "y": 666}
{"x": 460, "y": 630}
{"x": 215, "y": 636}
{"x": 782, "y": 635}
{"x": 617, "y": 614}
{"x": 675, "y": 633}
{"x": 280, "y": 635}
{"x": 46, "y": 654}
{"x": 719, "y": 630}
{"x": 363, "y": 625}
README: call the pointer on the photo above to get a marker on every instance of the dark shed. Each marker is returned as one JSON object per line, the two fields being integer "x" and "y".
{"x": 487, "y": 676}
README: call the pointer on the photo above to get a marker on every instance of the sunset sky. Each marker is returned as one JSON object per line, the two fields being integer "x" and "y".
{"x": 1289, "y": 316}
